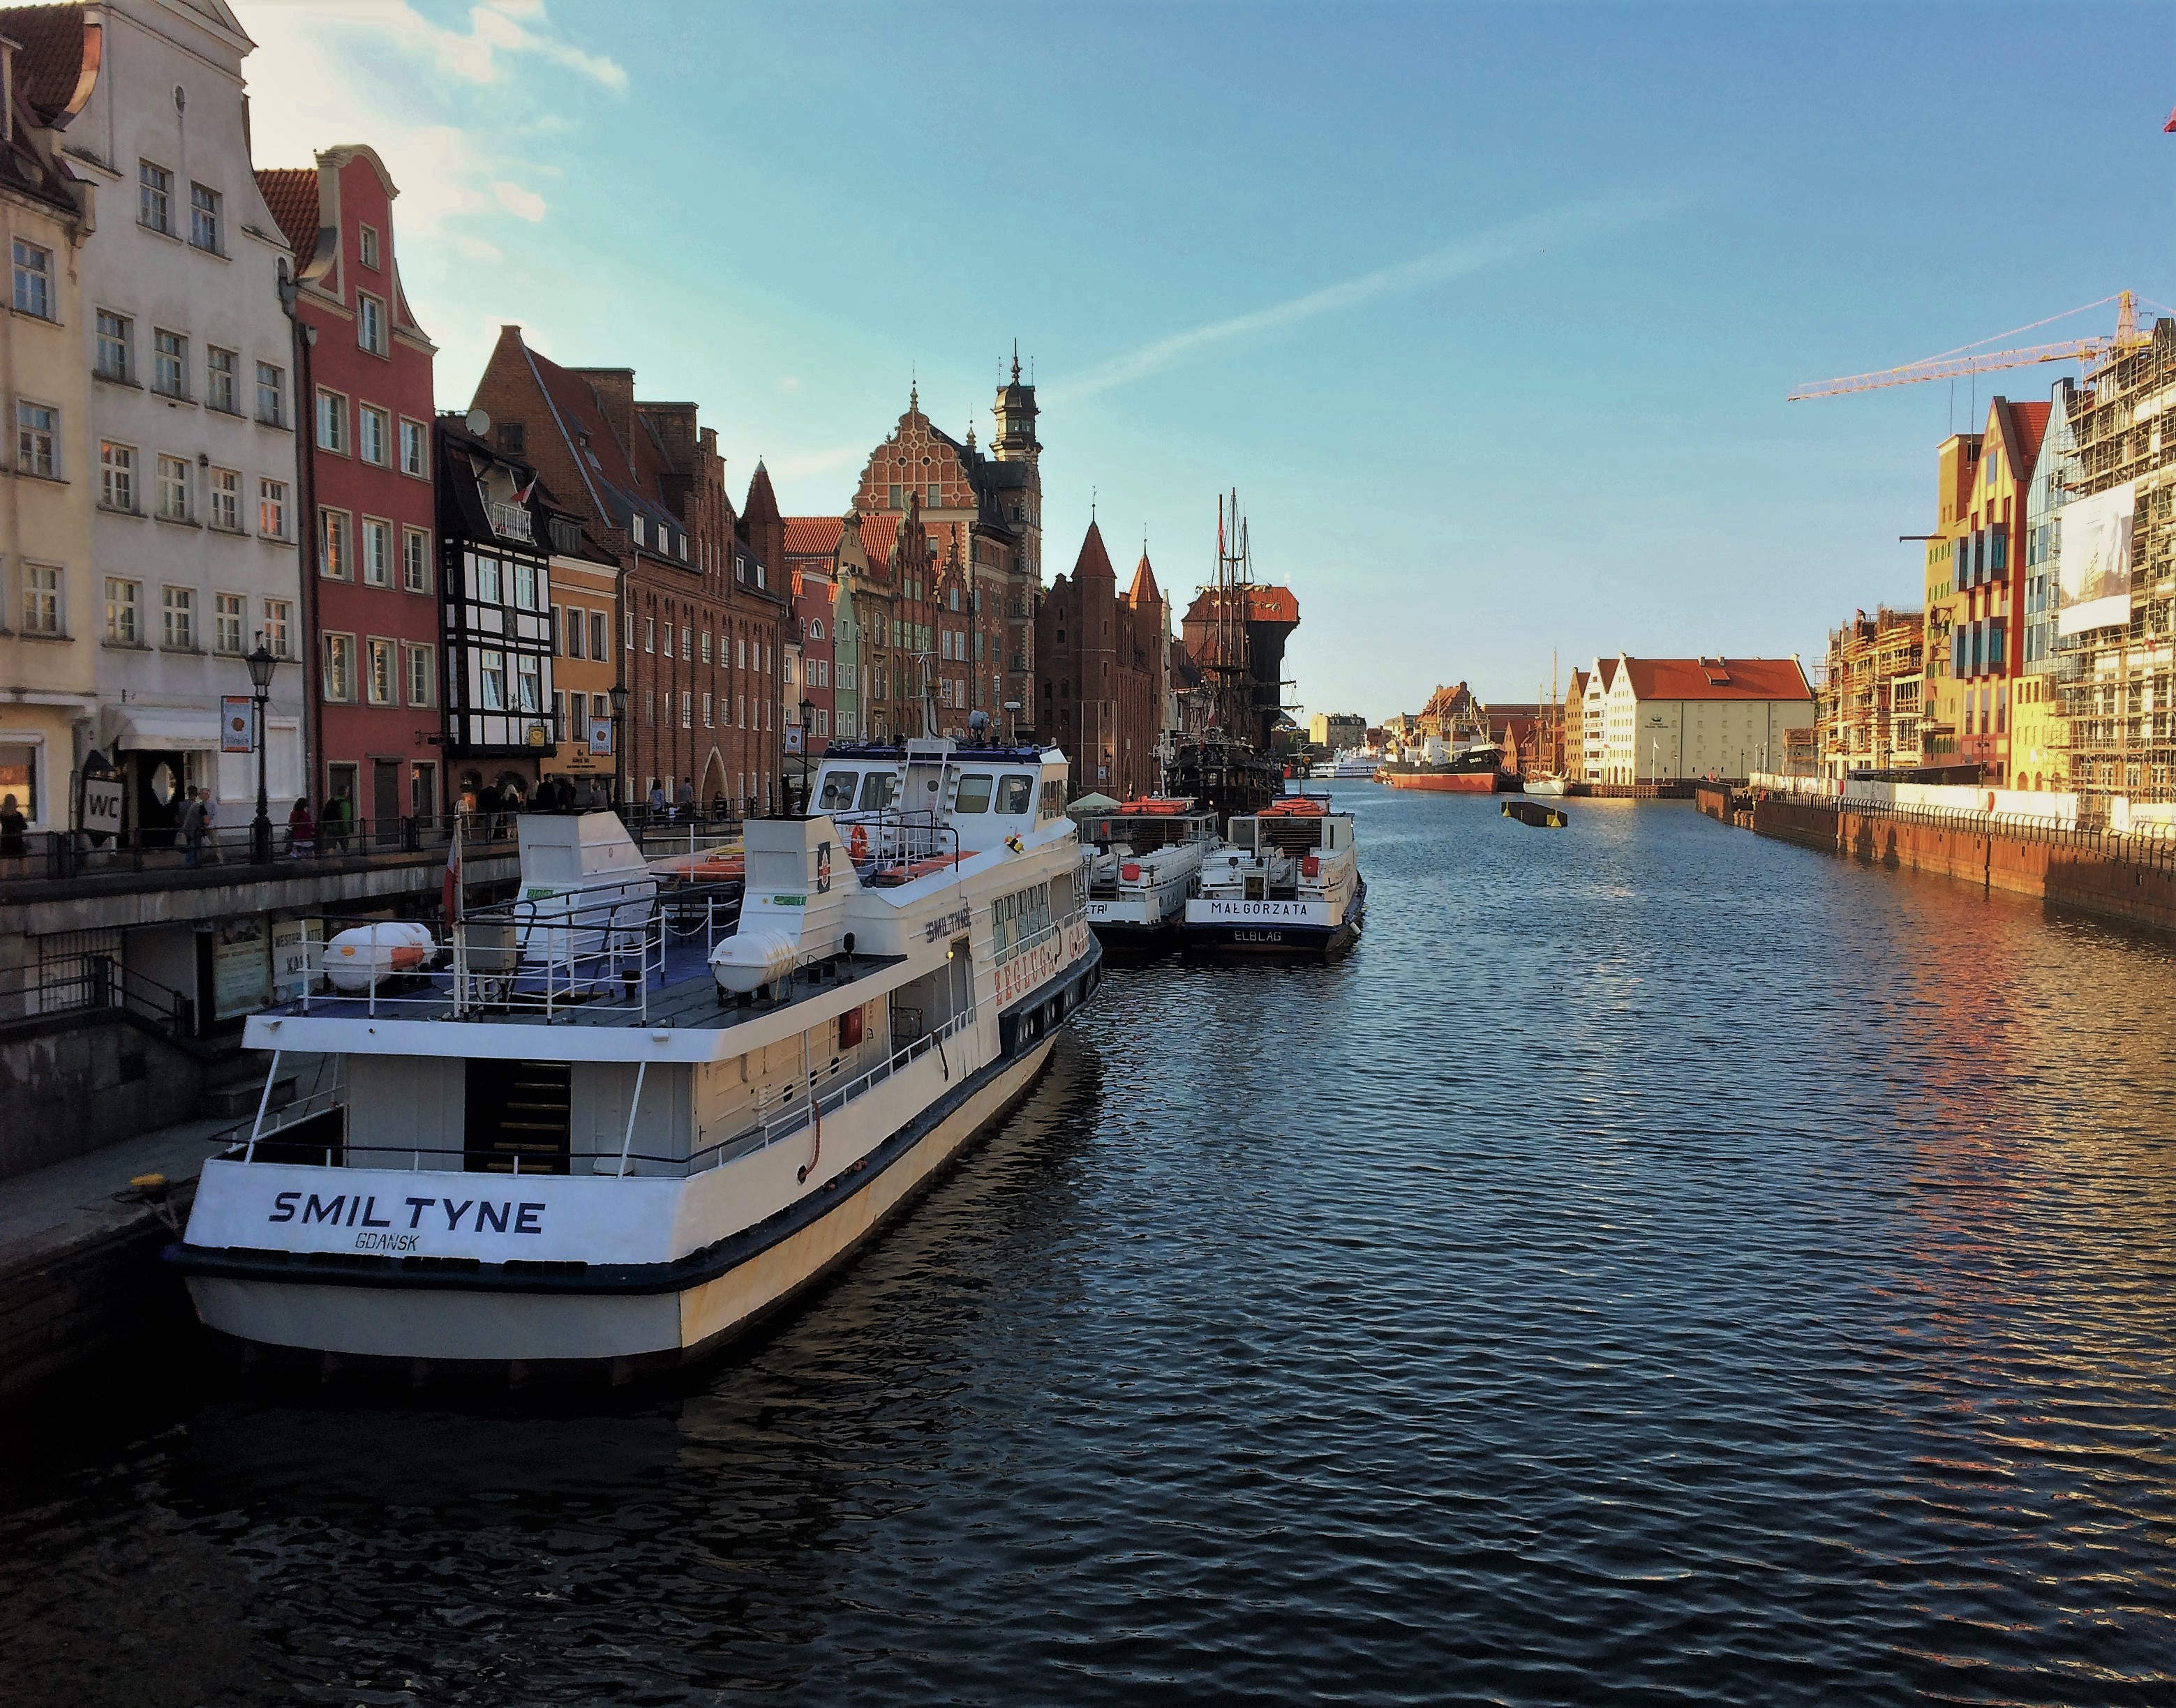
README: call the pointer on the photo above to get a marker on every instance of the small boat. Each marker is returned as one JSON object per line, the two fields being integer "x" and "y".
{"x": 1535, "y": 814}
{"x": 1287, "y": 883}
{"x": 1143, "y": 860}
{"x": 1551, "y": 786}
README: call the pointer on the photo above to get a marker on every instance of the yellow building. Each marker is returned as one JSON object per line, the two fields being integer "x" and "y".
{"x": 585, "y": 620}
{"x": 49, "y": 622}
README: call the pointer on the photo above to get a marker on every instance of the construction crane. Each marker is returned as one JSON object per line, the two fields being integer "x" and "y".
{"x": 1955, "y": 363}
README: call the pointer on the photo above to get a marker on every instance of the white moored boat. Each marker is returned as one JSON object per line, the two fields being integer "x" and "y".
{"x": 1288, "y": 882}
{"x": 614, "y": 1132}
{"x": 1141, "y": 873}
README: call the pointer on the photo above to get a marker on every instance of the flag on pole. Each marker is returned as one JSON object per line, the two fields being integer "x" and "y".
{"x": 522, "y": 497}
{"x": 451, "y": 890}
{"x": 2171, "y": 125}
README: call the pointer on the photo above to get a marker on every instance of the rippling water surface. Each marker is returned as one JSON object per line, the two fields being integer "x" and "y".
{"x": 1660, "y": 1265}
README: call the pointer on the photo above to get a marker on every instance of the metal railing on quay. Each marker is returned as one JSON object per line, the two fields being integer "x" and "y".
{"x": 2142, "y": 845}
{"x": 49, "y": 855}
{"x": 92, "y": 983}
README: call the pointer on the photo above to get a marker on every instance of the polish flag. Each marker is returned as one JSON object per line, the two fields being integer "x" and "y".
{"x": 2171, "y": 125}
{"x": 450, "y": 890}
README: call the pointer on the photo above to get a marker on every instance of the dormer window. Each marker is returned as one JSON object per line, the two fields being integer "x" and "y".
{"x": 635, "y": 526}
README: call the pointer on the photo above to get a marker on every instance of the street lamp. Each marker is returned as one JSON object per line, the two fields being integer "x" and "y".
{"x": 808, "y": 756}
{"x": 261, "y": 664}
{"x": 618, "y": 694}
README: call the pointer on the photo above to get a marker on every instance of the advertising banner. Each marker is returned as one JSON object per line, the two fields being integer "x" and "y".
{"x": 2093, "y": 573}
{"x": 241, "y": 966}
{"x": 234, "y": 724}
{"x": 601, "y": 737}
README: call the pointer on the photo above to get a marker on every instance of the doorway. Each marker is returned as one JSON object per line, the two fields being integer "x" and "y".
{"x": 385, "y": 803}
{"x": 517, "y": 1110}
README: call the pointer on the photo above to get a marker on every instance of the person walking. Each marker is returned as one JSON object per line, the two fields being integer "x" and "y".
{"x": 656, "y": 800}
{"x": 192, "y": 826}
{"x": 210, "y": 803}
{"x": 302, "y": 831}
{"x": 687, "y": 797}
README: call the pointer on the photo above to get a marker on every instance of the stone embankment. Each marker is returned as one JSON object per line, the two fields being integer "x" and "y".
{"x": 2131, "y": 878}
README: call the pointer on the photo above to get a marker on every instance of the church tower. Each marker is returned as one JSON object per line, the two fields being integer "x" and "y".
{"x": 1015, "y": 442}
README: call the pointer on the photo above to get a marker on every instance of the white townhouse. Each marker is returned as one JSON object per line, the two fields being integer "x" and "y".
{"x": 1665, "y": 720}
{"x": 193, "y": 409}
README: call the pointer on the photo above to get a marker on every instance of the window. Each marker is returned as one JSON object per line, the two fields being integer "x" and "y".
{"x": 42, "y": 599}
{"x": 1015, "y": 794}
{"x": 377, "y": 543}
{"x": 974, "y": 793}
{"x": 115, "y": 333}
{"x": 340, "y": 667}
{"x": 571, "y": 633}
{"x": 203, "y": 218}
{"x": 369, "y": 239}
{"x": 411, "y": 447}
{"x": 332, "y": 545}
{"x": 668, "y": 640}
{"x": 117, "y": 476}
{"x": 271, "y": 394}
{"x": 332, "y": 422}
{"x": 34, "y": 281}
{"x": 687, "y": 709}
{"x": 415, "y": 560}
{"x": 706, "y": 647}
{"x": 174, "y": 488}
{"x": 524, "y": 592}
{"x": 230, "y": 612}
{"x": 789, "y": 672}
{"x": 377, "y": 676}
{"x": 815, "y": 628}
{"x": 706, "y": 711}
{"x": 597, "y": 632}
{"x": 420, "y": 675}
{"x": 528, "y": 680}
{"x": 219, "y": 381}
{"x": 37, "y": 436}
{"x": 272, "y": 509}
{"x": 687, "y": 649}
{"x": 823, "y": 721}
{"x": 122, "y": 624}
{"x": 491, "y": 680}
{"x": 370, "y": 322}
{"x": 170, "y": 359}
{"x": 224, "y": 488}
{"x": 155, "y": 197}
{"x": 179, "y": 615}
{"x": 278, "y": 628}
{"x": 559, "y": 714}
{"x": 373, "y": 437}
{"x": 740, "y": 652}
{"x": 649, "y": 634}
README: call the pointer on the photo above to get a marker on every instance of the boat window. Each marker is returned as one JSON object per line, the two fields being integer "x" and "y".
{"x": 1015, "y": 794}
{"x": 838, "y": 791}
{"x": 974, "y": 796}
{"x": 875, "y": 791}
{"x": 1243, "y": 833}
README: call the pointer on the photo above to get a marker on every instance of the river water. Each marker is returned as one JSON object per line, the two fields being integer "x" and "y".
{"x": 1660, "y": 1265}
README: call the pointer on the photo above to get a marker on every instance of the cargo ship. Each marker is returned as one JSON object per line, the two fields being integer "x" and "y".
{"x": 1474, "y": 769}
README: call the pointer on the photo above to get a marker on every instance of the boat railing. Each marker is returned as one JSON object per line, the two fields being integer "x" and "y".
{"x": 797, "y": 1112}
{"x": 892, "y": 840}
{"x": 586, "y": 954}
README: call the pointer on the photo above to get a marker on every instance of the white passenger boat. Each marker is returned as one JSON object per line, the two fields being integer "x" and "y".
{"x": 1357, "y": 763}
{"x": 1146, "y": 856}
{"x": 615, "y": 1132}
{"x": 1288, "y": 882}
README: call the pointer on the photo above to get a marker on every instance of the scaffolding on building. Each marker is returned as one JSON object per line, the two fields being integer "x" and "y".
{"x": 1867, "y": 709}
{"x": 2114, "y": 683}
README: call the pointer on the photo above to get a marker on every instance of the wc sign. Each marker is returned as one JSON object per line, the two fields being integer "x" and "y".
{"x": 101, "y": 805}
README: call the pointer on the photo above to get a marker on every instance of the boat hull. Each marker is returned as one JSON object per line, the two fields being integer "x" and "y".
{"x": 1446, "y": 782}
{"x": 633, "y": 1321}
{"x": 1546, "y": 785}
{"x": 1293, "y": 930}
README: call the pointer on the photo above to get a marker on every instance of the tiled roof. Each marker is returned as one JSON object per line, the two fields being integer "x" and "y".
{"x": 291, "y": 193}
{"x": 1094, "y": 560}
{"x": 59, "y": 55}
{"x": 762, "y": 501}
{"x": 813, "y": 537}
{"x": 1144, "y": 587}
{"x": 1608, "y": 667}
{"x": 1266, "y": 605}
{"x": 621, "y": 479}
{"x": 1717, "y": 679}
{"x": 2032, "y": 427}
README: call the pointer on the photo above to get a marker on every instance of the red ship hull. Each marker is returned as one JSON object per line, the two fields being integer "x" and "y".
{"x": 1447, "y": 782}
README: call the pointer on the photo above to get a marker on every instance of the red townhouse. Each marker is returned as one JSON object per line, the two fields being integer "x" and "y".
{"x": 369, "y": 580}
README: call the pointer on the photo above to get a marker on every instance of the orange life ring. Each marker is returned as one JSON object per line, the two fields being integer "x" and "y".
{"x": 858, "y": 846}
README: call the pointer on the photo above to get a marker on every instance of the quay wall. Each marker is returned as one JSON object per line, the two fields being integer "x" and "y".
{"x": 2129, "y": 878}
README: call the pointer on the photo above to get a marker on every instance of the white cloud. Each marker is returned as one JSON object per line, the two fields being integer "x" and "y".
{"x": 1512, "y": 241}
{"x": 524, "y": 204}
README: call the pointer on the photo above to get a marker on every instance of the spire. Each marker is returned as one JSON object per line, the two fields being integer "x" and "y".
{"x": 1015, "y": 361}
{"x": 1094, "y": 560}
{"x": 913, "y": 390}
{"x": 1145, "y": 590}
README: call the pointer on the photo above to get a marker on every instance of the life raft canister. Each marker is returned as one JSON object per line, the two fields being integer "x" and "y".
{"x": 1990, "y": 800}
{"x": 1130, "y": 872}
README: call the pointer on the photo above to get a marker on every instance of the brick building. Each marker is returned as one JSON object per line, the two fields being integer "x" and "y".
{"x": 370, "y": 592}
{"x": 844, "y": 566}
{"x": 1103, "y": 670}
{"x": 703, "y": 610}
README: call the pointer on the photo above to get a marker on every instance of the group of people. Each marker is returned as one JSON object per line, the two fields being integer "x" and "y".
{"x": 682, "y": 803}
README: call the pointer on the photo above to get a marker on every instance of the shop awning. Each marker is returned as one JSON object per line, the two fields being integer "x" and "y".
{"x": 167, "y": 731}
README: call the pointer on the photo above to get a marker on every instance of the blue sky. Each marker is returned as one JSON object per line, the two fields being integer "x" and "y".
{"x": 1488, "y": 312}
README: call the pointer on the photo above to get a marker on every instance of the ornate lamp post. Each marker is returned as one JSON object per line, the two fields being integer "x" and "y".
{"x": 808, "y": 759}
{"x": 261, "y": 664}
{"x": 619, "y": 721}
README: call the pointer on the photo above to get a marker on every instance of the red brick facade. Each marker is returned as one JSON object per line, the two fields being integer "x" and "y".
{"x": 1103, "y": 669}
{"x": 703, "y": 613}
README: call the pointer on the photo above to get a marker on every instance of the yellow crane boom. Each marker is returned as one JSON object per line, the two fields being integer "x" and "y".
{"x": 1956, "y": 364}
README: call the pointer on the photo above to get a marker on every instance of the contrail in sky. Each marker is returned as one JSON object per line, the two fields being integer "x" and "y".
{"x": 1512, "y": 241}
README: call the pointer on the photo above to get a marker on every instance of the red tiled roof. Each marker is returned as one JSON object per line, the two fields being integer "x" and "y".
{"x": 636, "y": 469}
{"x": 813, "y": 537}
{"x": 1144, "y": 587}
{"x": 291, "y": 193}
{"x": 1608, "y": 667}
{"x": 1267, "y": 605}
{"x": 1718, "y": 679}
{"x": 59, "y": 59}
{"x": 1093, "y": 558}
{"x": 2031, "y": 420}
